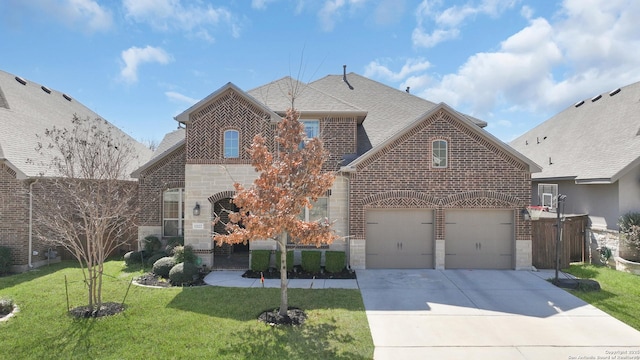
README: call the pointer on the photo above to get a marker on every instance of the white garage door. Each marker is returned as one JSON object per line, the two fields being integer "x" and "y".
{"x": 399, "y": 238}
{"x": 479, "y": 239}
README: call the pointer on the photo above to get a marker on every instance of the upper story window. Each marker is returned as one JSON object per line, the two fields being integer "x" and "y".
{"x": 548, "y": 195}
{"x": 440, "y": 153}
{"x": 173, "y": 212}
{"x": 231, "y": 144}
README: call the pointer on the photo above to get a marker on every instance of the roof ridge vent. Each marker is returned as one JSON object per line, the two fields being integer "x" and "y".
{"x": 579, "y": 103}
{"x": 21, "y": 80}
{"x": 614, "y": 92}
{"x": 596, "y": 98}
{"x": 66, "y": 97}
{"x": 45, "y": 89}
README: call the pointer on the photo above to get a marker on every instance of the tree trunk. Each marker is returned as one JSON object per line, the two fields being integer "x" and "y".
{"x": 284, "y": 300}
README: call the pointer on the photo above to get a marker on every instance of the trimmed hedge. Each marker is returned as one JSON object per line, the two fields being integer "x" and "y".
{"x": 155, "y": 257}
{"x": 163, "y": 266}
{"x": 183, "y": 274}
{"x": 174, "y": 241}
{"x": 133, "y": 257}
{"x": 5, "y": 260}
{"x": 311, "y": 261}
{"x": 334, "y": 261}
{"x": 260, "y": 260}
{"x": 151, "y": 243}
{"x": 289, "y": 260}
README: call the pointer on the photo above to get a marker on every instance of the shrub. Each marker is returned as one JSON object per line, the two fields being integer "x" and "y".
{"x": 156, "y": 256}
{"x": 183, "y": 274}
{"x": 184, "y": 254}
{"x": 289, "y": 260}
{"x": 260, "y": 260}
{"x": 174, "y": 241}
{"x": 133, "y": 257}
{"x": 311, "y": 260}
{"x": 5, "y": 260}
{"x": 151, "y": 243}
{"x": 163, "y": 266}
{"x": 334, "y": 261}
{"x": 630, "y": 241}
{"x": 6, "y": 306}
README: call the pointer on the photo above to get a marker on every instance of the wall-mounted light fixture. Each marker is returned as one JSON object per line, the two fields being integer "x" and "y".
{"x": 525, "y": 214}
{"x": 196, "y": 210}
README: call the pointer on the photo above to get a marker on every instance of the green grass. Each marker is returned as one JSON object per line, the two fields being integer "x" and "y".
{"x": 619, "y": 295}
{"x": 203, "y": 322}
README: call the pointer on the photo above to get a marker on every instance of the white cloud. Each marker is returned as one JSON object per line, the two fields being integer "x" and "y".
{"x": 177, "y": 97}
{"x": 135, "y": 56}
{"x": 260, "y": 4}
{"x": 376, "y": 69}
{"x": 167, "y": 15}
{"x": 332, "y": 11}
{"x": 85, "y": 14}
{"x": 435, "y": 26}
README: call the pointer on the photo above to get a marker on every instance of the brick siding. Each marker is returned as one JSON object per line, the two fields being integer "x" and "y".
{"x": 14, "y": 215}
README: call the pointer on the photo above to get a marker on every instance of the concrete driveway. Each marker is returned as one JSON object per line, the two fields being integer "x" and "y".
{"x": 486, "y": 314}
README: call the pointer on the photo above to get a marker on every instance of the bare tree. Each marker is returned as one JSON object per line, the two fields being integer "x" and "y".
{"x": 85, "y": 204}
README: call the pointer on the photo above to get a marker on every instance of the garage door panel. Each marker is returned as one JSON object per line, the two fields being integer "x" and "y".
{"x": 399, "y": 238}
{"x": 479, "y": 239}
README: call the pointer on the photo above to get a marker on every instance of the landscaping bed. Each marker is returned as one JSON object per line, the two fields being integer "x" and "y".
{"x": 298, "y": 273}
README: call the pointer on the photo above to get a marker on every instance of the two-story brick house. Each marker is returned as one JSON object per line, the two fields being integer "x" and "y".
{"x": 419, "y": 185}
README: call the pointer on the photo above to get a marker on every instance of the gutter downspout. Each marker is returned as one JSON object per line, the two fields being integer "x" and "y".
{"x": 31, "y": 223}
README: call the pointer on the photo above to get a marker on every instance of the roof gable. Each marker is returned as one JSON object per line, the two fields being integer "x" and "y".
{"x": 467, "y": 126}
{"x": 595, "y": 140}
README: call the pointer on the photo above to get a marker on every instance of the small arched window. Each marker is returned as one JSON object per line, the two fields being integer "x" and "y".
{"x": 231, "y": 144}
{"x": 440, "y": 153}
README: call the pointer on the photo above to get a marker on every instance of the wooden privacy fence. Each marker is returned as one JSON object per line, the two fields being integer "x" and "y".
{"x": 572, "y": 248}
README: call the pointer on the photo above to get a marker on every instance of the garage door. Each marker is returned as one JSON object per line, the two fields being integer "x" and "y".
{"x": 399, "y": 238}
{"x": 479, "y": 239}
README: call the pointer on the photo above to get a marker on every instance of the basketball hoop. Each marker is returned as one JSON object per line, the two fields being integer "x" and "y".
{"x": 535, "y": 211}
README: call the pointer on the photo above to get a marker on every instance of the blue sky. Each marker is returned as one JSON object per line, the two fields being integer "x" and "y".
{"x": 138, "y": 63}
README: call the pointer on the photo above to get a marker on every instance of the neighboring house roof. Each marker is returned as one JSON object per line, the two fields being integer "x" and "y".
{"x": 593, "y": 141}
{"x": 388, "y": 110}
{"x": 533, "y": 167}
{"x": 27, "y": 109}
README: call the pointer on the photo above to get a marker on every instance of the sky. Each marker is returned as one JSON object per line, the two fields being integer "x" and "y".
{"x": 139, "y": 63}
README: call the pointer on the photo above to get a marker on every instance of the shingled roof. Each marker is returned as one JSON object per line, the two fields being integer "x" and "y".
{"x": 596, "y": 140}
{"x": 27, "y": 109}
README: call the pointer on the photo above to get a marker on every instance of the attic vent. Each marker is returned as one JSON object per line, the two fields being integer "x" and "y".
{"x": 45, "y": 89}
{"x": 21, "y": 80}
{"x": 579, "y": 103}
{"x": 614, "y": 92}
{"x": 66, "y": 97}
{"x": 596, "y": 98}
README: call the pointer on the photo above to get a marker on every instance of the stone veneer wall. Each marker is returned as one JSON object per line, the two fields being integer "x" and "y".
{"x": 599, "y": 238}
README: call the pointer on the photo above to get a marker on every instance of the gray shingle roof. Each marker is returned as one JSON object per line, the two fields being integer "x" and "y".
{"x": 597, "y": 141}
{"x": 388, "y": 110}
{"x": 169, "y": 143}
{"x": 29, "y": 109}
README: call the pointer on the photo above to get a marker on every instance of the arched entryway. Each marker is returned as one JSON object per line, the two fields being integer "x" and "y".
{"x": 227, "y": 256}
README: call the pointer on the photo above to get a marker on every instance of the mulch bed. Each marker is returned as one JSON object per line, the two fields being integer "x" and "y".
{"x": 151, "y": 279}
{"x": 298, "y": 273}
{"x": 294, "y": 316}
{"x": 107, "y": 309}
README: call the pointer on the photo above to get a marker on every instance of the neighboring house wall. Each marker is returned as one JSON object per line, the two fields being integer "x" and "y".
{"x": 629, "y": 191}
{"x": 165, "y": 174}
{"x": 14, "y": 205}
{"x": 479, "y": 175}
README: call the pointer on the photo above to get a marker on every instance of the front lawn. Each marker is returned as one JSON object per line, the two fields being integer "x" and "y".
{"x": 619, "y": 295}
{"x": 200, "y": 322}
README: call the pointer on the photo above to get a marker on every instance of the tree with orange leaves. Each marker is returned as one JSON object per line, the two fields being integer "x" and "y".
{"x": 291, "y": 179}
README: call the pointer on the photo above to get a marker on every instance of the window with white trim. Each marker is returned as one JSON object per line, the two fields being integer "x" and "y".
{"x": 231, "y": 144}
{"x": 173, "y": 212}
{"x": 440, "y": 152}
{"x": 548, "y": 195}
{"x": 311, "y": 129}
